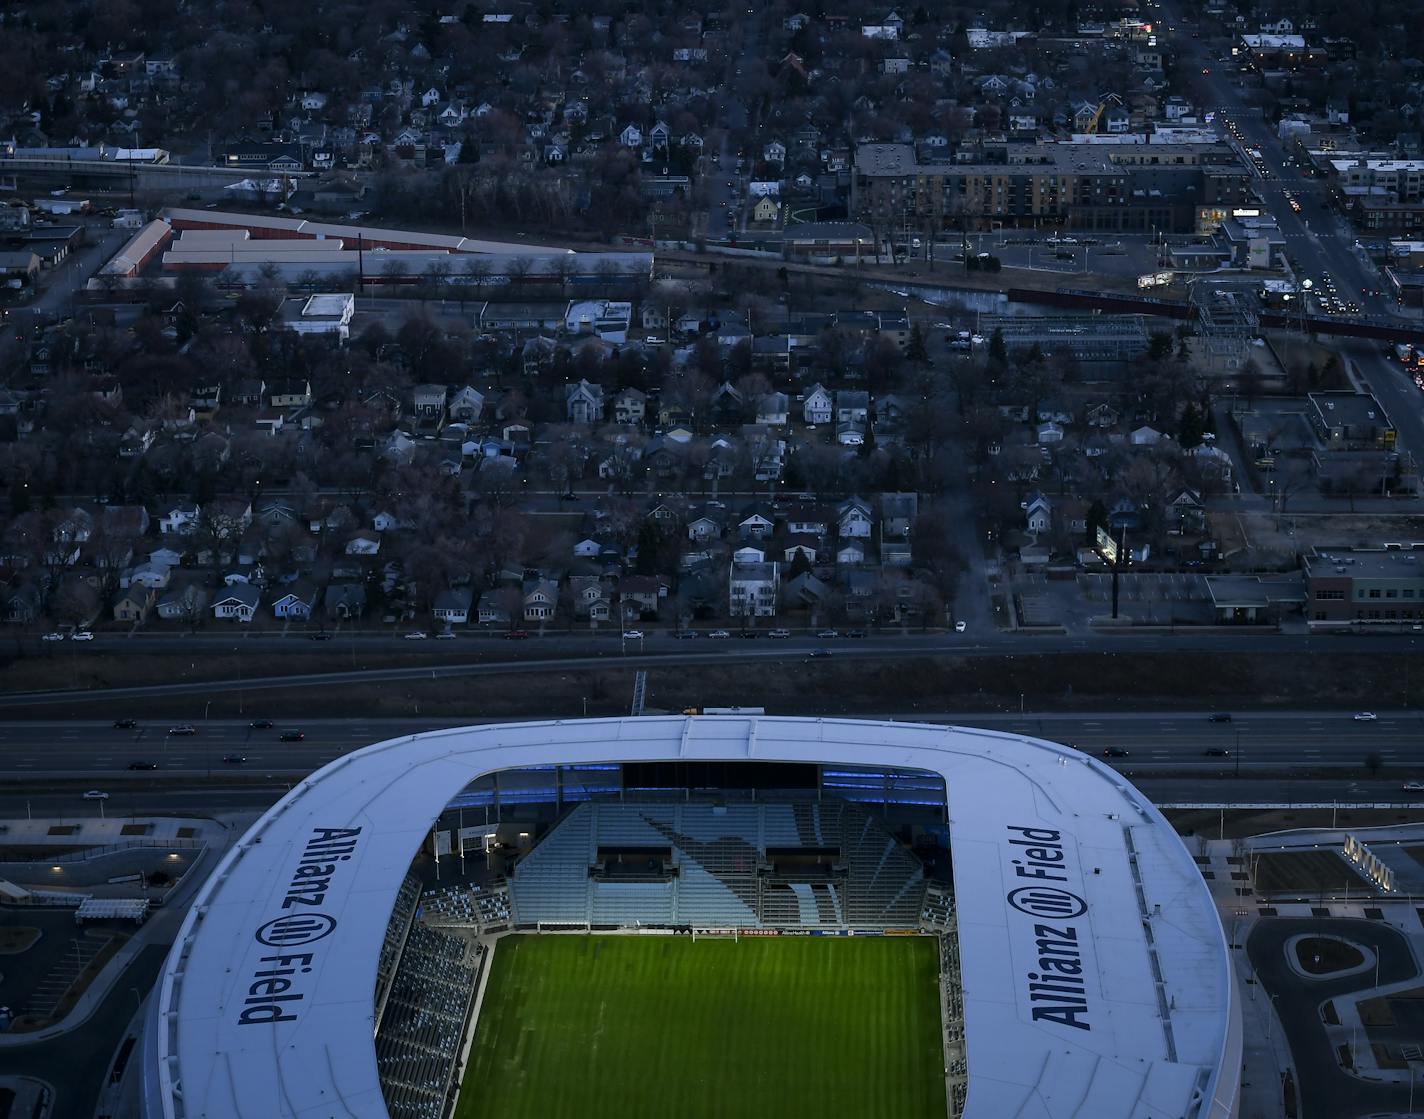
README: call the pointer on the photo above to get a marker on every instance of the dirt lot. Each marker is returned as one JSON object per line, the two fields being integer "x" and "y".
{"x": 828, "y": 687}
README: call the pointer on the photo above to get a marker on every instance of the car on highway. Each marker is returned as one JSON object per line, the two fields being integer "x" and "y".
{"x": 82, "y": 635}
{"x": 632, "y": 635}
{"x": 827, "y": 633}
{"x": 1365, "y": 716}
{"x": 719, "y": 635}
{"x": 291, "y": 736}
{"x": 815, "y": 653}
{"x": 183, "y": 729}
{"x": 125, "y": 724}
{"x": 683, "y": 634}
{"x": 1413, "y": 786}
{"x": 516, "y": 635}
{"x": 1217, "y": 752}
{"x": 1115, "y": 752}
{"x": 416, "y": 635}
{"x": 445, "y": 636}
{"x": 52, "y": 637}
{"x": 262, "y": 724}
{"x": 1219, "y": 717}
{"x": 96, "y": 794}
{"x": 748, "y": 634}
{"x": 778, "y": 634}
{"x": 143, "y": 765}
{"x": 233, "y": 759}
{"x": 322, "y": 636}
{"x": 855, "y": 633}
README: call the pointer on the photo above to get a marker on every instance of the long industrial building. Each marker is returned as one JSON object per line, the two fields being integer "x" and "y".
{"x": 246, "y": 248}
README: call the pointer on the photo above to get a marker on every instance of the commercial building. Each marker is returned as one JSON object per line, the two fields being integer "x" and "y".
{"x": 1108, "y": 188}
{"x": 1365, "y": 587}
{"x": 1085, "y": 338}
{"x": 1350, "y": 420}
{"x": 320, "y": 314}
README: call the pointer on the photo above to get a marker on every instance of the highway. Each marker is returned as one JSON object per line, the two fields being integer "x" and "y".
{"x": 1299, "y": 742}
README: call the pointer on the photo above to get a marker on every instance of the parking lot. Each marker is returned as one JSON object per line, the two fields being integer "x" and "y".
{"x": 1167, "y": 598}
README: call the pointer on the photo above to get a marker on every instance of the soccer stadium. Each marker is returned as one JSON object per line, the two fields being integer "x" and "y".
{"x": 701, "y": 916}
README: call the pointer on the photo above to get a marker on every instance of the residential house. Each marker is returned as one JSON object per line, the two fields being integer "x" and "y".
{"x": 238, "y": 602}
{"x": 754, "y": 589}
{"x": 291, "y": 392}
{"x": 541, "y": 599}
{"x": 344, "y": 601}
{"x": 590, "y": 597}
{"x": 134, "y": 604}
{"x": 772, "y": 409}
{"x": 583, "y": 402}
{"x": 180, "y": 519}
{"x": 297, "y": 602}
{"x": 467, "y": 405}
{"x": 756, "y": 523}
{"x": 854, "y": 520}
{"x": 453, "y": 606}
{"x": 1038, "y": 513}
{"x": 363, "y": 544}
{"x": 641, "y": 596}
{"x": 629, "y": 406}
{"x": 183, "y": 603}
{"x": 817, "y": 405}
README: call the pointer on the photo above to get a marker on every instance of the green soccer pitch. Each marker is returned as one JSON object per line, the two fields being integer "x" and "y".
{"x": 636, "y": 1027}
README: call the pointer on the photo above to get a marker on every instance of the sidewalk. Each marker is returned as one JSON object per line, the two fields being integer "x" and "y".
{"x": 1265, "y": 1055}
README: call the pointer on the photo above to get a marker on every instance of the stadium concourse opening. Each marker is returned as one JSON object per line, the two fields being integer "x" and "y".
{"x": 797, "y": 946}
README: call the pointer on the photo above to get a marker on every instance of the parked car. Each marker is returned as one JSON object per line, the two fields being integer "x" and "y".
{"x": 779, "y": 634}
{"x": 1115, "y": 752}
{"x": 960, "y": 627}
{"x": 233, "y": 759}
{"x": 516, "y": 635}
{"x": 632, "y": 635}
{"x": 183, "y": 729}
{"x": 125, "y": 724}
{"x": 82, "y": 635}
{"x": 748, "y": 634}
{"x": 322, "y": 636}
{"x": 96, "y": 794}
{"x": 827, "y": 633}
{"x": 52, "y": 637}
{"x": 855, "y": 633}
{"x": 683, "y": 634}
{"x": 445, "y": 636}
{"x": 143, "y": 765}
{"x": 719, "y": 634}
{"x": 417, "y": 635}
{"x": 291, "y": 736}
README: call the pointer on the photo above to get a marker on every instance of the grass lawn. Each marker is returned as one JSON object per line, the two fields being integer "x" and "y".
{"x": 636, "y": 1027}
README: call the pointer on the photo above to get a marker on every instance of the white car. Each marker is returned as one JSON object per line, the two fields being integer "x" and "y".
{"x": 719, "y": 634}
{"x": 417, "y": 635}
{"x": 83, "y": 635}
{"x": 52, "y": 637}
{"x": 960, "y": 627}
{"x": 632, "y": 635}
{"x": 1414, "y": 786}
{"x": 1364, "y": 716}
{"x": 96, "y": 794}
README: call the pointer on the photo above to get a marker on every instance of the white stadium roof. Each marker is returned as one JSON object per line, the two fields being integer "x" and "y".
{"x": 1048, "y": 845}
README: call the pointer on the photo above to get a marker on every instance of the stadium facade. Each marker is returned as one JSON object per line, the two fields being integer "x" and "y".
{"x": 1091, "y": 975}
